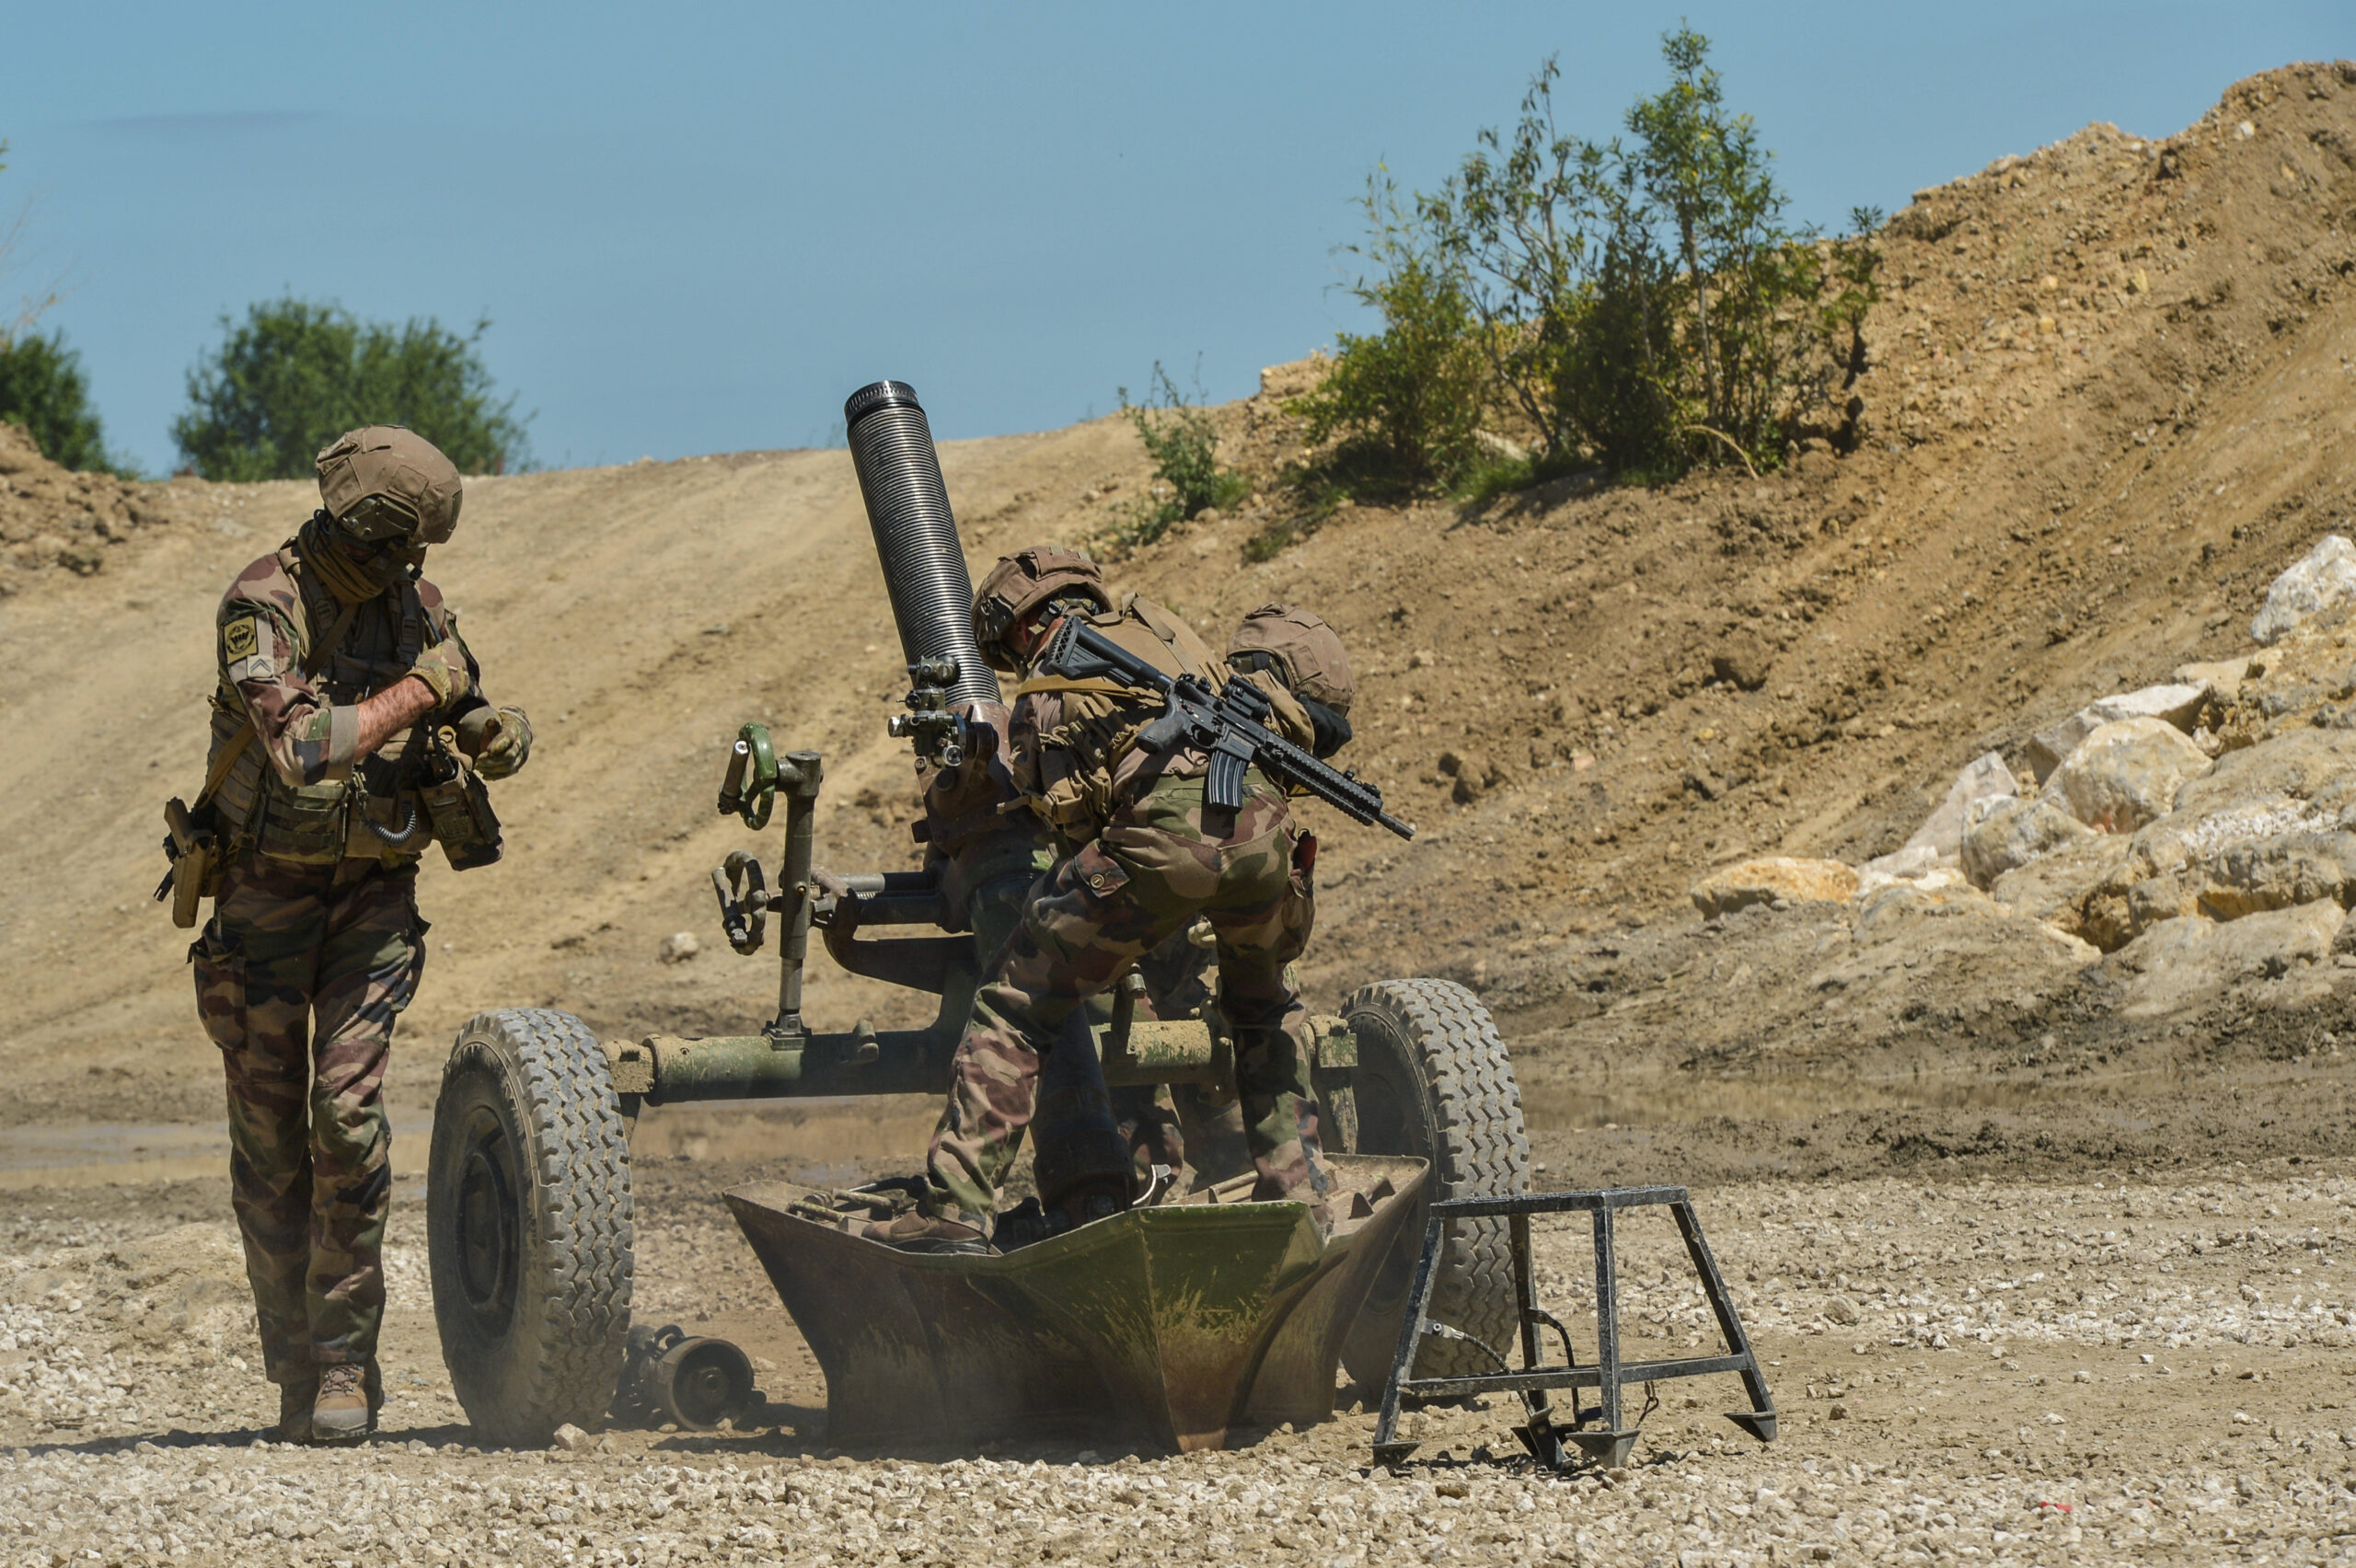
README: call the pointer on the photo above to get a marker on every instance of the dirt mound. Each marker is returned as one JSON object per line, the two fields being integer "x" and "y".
{"x": 52, "y": 519}
{"x": 2106, "y": 407}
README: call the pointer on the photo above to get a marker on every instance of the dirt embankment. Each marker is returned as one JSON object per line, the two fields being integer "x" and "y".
{"x": 2108, "y": 403}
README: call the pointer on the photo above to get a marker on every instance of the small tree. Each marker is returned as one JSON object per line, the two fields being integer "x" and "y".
{"x": 295, "y": 374}
{"x": 1406, "y": 400}
{"x": 42, "y": 390}
{"x": 1516, "y": 223}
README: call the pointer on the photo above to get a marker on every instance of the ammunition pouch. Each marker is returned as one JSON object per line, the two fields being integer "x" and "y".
{"x": 388, "y": 824}
{"x": 306, "y": 825}
{"x": 458, "y": 805}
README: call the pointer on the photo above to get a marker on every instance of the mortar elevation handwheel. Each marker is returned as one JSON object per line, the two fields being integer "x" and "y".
{"x": 528, "y": 1219}
{"x": 1434, "y": 1081}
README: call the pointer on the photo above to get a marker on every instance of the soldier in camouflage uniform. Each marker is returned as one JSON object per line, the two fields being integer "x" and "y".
{"x": 336, "y": 661}
{"x": 1279, "y": 646}
{"x": 1142, "y": 857}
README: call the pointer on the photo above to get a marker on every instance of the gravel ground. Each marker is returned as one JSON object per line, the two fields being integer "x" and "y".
{"x": 2156, "y": 1368}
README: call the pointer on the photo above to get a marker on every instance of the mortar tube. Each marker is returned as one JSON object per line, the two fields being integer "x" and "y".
{"x": 915, "y": 534}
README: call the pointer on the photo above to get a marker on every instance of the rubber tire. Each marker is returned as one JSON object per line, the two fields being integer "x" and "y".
{"x": 1434, "y": 1081}
{"x": 528, "y": 1225}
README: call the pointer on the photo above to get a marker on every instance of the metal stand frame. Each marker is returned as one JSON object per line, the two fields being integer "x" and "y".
{"x": 1544, "y": 1433}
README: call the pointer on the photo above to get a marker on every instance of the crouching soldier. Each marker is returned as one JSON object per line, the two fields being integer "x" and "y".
{"x": 1284, "y": 649}
{"x": 1140, "y": 856}
{"x": 348, "y": 733}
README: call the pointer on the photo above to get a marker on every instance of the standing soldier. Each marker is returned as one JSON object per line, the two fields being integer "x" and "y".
{"x": 1142, "y": 856}
{"x": 343, "y": 728}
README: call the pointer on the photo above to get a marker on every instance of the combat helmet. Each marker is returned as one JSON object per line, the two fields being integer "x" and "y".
{"x": 386, "y": 481}
{"x": 1298, "y": 648}
{"x": 1023, "y": 581}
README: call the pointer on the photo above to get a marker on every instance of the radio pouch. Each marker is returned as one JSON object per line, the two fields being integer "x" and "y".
{"x": 459, "y": 805}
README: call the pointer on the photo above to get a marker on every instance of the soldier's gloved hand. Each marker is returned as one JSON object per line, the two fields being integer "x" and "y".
{"x": 444, "y": 668}
{"x": 499, "y": 739}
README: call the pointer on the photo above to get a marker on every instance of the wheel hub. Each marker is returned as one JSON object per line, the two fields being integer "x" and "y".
{"x": 487, "y": 1229}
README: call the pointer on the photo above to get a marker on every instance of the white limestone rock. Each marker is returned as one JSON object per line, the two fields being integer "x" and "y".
{"x": 2178, "y": 705}
{"x": 2004, "y": 833}
{"x": 1984, "y": 778}
{"x": 2125, "y": 774}
{"x": 2324, "y": 579}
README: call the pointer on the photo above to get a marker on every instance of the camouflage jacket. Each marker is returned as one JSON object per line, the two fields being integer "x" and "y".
{"x": 1075, "y": 755}
{"x": 288, "y": 790}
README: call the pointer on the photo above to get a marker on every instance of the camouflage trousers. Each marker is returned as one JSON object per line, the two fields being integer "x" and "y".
{"x": 299, "y": 977}
{"x": 1182, "y": 1126}
{"x": 1161, "y": 862}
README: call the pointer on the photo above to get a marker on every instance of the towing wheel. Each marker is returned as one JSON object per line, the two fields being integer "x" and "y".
{"x": 527, "y": 1223}
{"x": 1433, "y": 1080}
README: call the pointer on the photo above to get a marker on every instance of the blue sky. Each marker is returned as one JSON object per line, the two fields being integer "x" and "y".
{"x": 695, "y": 227}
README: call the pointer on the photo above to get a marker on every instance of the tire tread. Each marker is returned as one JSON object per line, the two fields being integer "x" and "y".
{"x": 1482, "y": 1148}
{"x": 572, "y": 1315}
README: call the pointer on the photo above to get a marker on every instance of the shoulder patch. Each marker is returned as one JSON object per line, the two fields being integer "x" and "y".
{"x": 240, "y": 638}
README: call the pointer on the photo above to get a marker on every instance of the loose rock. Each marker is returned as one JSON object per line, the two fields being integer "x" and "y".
{"x": 2322, "y": 580}
{"x": 2190, "y": 959}
{"x": 1771, "y": 877}
{"x": 1743, "y": 658}
{"x": 1984, "y": 778}
{"x": 2177, "y": 705}
{"x": 2125, "y": 774}
{"x": 2004, "y": 833}
{"x": 2221, "y": 679}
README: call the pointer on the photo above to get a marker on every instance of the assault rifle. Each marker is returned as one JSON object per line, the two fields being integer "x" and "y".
{"x": 1230, "y": 725}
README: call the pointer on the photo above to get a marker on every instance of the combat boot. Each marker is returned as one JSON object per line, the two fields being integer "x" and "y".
{"x": 343, "y": 1412}
{"x": 294, "y": 1399}
{"x": 916, "y": 1231}
{"x": 1309, "y": 1182}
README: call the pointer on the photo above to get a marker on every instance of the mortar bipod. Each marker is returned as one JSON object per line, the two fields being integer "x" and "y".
{"x": 1543, "y": 1433}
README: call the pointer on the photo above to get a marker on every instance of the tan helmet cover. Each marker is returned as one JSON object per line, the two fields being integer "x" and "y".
{"x": 1021, "y": 582}
{"x": 1304, "y": 649}
{"x": 394, "y": 462}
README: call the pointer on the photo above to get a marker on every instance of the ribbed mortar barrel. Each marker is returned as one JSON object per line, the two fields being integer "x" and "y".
{"x": 915, "y": 538}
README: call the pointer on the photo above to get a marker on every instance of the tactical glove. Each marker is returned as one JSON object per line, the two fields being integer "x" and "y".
{"x": 444, "y": 668}
{"x": 499, "y": 739}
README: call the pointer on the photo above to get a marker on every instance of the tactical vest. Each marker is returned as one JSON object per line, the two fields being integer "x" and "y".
{"x": 322, "y": 824}
{"x": 1078, "y": 784}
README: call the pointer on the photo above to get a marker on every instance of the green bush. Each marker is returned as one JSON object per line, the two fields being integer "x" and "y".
{"x": 42, "y": 390}
{"x": 1637, "y": 303}
{"x": 1188, "y": 480}
{"x": 295, "y": 374}
{"x": 1405, "y": 401}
